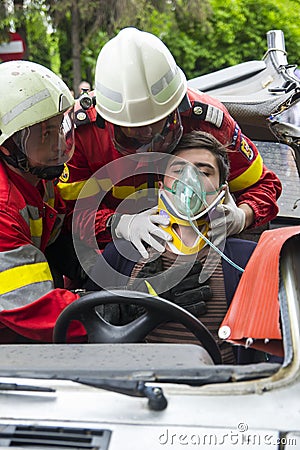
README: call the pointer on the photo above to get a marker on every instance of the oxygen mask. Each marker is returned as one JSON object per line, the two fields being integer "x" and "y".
{"x": 186, "y": 201}
{"x": 189, "y": 194}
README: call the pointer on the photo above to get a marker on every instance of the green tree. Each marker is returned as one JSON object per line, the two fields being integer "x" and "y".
{"x": 30, "y": 21}
{"x": 82, "y": 29}
{"x": 39, "y": 38}
{"x": 203, "y": 35}
{"x": 237, "y": 32}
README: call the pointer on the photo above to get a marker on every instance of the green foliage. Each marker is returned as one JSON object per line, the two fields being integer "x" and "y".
{"x": 4, "y": 28}
{"x": 163, "y": 24}
{"x": 238, "y": 31}
{"x": 38, "y": 37}
{"x": 89, "y": 56}
{"x": 62, "y": 35}
{"x": 203, "y": 35}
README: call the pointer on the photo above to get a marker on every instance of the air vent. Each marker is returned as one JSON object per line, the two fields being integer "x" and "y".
{"x": 53, "y": 437}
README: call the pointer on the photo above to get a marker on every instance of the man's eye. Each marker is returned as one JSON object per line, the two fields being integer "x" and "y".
{"x": 206, "y": 174}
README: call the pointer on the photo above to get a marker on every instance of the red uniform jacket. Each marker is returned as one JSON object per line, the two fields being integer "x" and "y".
{"x": 116, "y": 176}
{"x": 30, "y": 219}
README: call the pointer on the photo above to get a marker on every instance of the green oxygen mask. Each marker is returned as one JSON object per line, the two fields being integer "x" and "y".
{"x": 189, "y": 193}
{"x": 188, "y": 205}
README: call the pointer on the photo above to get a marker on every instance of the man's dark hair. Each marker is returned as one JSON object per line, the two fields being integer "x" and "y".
{"x": 201, "y": 140}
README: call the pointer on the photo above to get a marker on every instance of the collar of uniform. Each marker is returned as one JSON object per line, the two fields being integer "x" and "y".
{"x": 33, "y": 195}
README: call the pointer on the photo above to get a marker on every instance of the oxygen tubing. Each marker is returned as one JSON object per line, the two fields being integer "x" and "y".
{"x": 208, "y": 241}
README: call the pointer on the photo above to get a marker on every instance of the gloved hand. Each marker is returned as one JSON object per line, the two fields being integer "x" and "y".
{"x": 110, "y": 313}
{"x": 226, "y": 220}
{"x": 139, "y": 228}
{"x": 178, "y": 284}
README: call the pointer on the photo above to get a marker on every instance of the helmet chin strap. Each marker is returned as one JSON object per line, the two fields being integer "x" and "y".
{"x": 19, "y": 160}
{"x": 48, "y": 172}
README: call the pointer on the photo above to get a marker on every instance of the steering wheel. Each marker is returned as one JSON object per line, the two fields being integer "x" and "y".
{"x": 158, "y": 310}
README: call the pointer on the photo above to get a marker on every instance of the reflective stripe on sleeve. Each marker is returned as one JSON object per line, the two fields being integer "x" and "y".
{"x": 85, "y": 189}
{"x": 17, "y": 277}
{"x": 25, "y": 276}
{"x": 121, "y": 192}
{"x": 249, "y": 177}
{"x": 71, "y": 191}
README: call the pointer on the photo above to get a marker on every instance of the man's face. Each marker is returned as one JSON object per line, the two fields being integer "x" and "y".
{"x": 48, "y": 143}
{"x": 161, "y": 136}
{"x": 144, "y": 134}
{"x": 84, "y": 85}
{"x": 204, "y": 161}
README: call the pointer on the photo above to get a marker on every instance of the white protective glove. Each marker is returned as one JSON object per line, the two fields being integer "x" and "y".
{"x": 228, "y": 219}
{"x": 142, "y": 227}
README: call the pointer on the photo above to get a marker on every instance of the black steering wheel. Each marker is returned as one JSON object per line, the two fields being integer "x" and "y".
{"x": 158, "y": 310}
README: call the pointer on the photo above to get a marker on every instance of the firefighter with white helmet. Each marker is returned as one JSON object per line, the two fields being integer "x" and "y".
{"x": 36, "y": 139}
{"x": 142, "y": 104}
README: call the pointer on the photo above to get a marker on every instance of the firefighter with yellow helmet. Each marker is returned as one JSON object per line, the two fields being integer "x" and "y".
{"x": 142, "y": 104}
{"x": 36, "y": 140}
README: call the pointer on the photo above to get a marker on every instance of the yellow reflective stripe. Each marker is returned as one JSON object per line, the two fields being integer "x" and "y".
{"x": 126, "y": 191}
{"x": 50, "y": 201}
{"x": 91, "y": 187}
{"x": 84, "y": 189}
{"x": 151, "y": 290}
{"x": 105, "y": 184}
{"x": 122, "y": 191}
{"x": 49, "y": 196}
{"x": 71, "y": 191}
{"x": 249, "y": 177}
{"x": 36, "y": 227}
{"x": 18, "y": 277}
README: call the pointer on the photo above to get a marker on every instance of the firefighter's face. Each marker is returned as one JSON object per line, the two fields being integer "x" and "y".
{"x": 161, "y": 136}
{"x": 144, "y": 134}
{"x": 48, "y": 143}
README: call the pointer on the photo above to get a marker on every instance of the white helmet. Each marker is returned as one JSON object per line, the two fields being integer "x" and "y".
{"x": 137, "y": 80}
{"x": 30, "y": 93}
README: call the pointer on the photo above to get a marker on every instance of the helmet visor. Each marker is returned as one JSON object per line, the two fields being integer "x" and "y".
{"x": 162, "y": 136}
{"x": 48, "y": 143}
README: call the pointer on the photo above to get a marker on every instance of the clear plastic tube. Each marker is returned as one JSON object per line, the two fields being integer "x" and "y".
{"x": 216, "y": 249}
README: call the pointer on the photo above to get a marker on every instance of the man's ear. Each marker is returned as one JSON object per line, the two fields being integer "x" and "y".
{"x": 4, "y": 150}
{"x": 160, "y": 184}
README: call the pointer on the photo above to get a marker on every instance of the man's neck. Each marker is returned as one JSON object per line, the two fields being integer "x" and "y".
{"x": 187, "y": 235}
